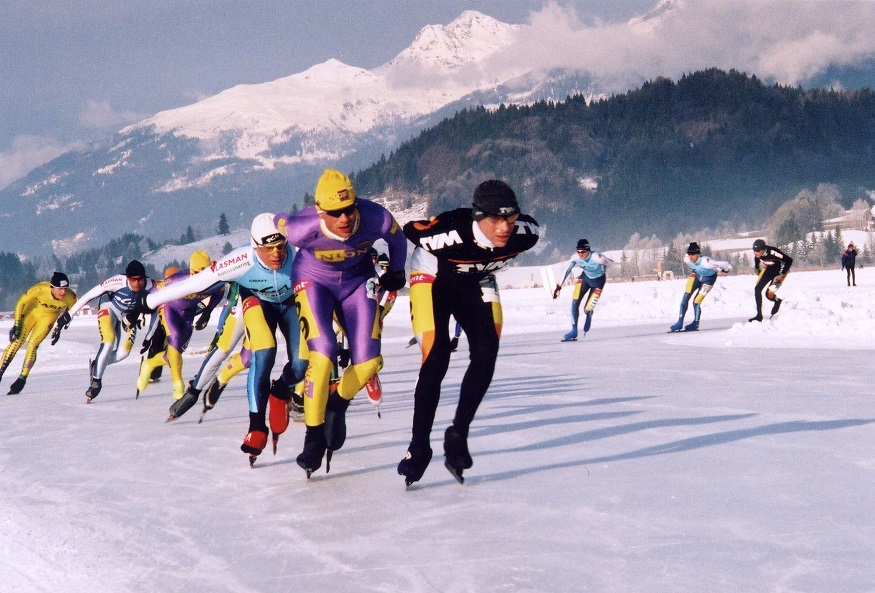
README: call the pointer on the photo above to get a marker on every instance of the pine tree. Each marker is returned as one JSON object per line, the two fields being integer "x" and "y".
{"x": 224, "y": 229}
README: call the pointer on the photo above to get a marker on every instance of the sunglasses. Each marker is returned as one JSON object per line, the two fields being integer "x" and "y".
{"x": 274, "y": 247}
{"x": 349, "y": 211}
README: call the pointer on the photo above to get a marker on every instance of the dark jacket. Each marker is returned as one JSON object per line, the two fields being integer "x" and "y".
{"x": 849, "y": 258}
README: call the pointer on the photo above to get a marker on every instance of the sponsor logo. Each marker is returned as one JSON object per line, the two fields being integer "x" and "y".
{"x": 231, "y": 262}
{"x": 420, "y": 278}
{"x": 435, "y": 242}
{"x": 300, "y": 286}
{"x": 526, "y": 228}
{"x": 340, "y": 255}
{"x": 467, "y": 268}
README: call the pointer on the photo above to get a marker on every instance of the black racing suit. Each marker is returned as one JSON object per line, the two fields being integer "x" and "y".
{"x": 774, "y": 263}
{"x": 452, "y": 275}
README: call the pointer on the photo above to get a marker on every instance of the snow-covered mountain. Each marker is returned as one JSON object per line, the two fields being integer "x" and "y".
{"x": 260, "y": 147}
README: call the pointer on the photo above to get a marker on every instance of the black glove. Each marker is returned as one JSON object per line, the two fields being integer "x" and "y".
{"x": 132, "y": 321}
{"x": 392, "y": 281}
{"x": 202, "y": 321}
{"x": 64, "y": 320}
{"x": 556, "y": 291}
{"x": 56, "y": 334}
{"x": 147, "y": 343}
{"x": 343, "y": 358}
{"x": 15, "y": 331}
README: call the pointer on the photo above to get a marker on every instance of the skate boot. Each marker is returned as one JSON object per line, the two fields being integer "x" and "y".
{"x": 17, "y": 386}
{"x": 310, "y": 458}
{"x": 143, "y": 377}
{"x": 297, "y": 407}
{"x": 93, "y": 389}
{"x": 697, "y": 314}
{"x": 454, "y": 344}
{"x": 677, "y": 326}
{"x": 414, "y": 463}
{"x": 184, "y": 404}
{"x": 757, "y": 317}
{"x": 570, "y": 336}
{"x": 456, "y": 451}
{"x": 278, "y": 409}
{"x": 256, "y": 439}
{"x": 776, "y": 306}
{"x": 335, "y": 420}
{"x": 588, "y": 322}
{"x": 211, "y": 395}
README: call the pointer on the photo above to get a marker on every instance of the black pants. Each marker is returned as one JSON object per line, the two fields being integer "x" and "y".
{"x": 768, "y": 275}
{"x": 465, "y": 302}
{"x": 852, "y": 277}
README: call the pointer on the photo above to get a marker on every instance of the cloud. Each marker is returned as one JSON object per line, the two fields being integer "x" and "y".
{"x": 101, "y": 115}
{"x": 29, "y": 152}
{"x": 786, "y": 41}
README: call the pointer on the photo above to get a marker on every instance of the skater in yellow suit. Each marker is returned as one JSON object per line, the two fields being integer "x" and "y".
{"x": 35, "y": 313}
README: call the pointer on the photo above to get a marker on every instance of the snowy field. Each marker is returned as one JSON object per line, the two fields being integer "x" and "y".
{"x": 740, "y": 458}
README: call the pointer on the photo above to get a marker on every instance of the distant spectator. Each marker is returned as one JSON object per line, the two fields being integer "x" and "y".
{"x": 849, "y": 259}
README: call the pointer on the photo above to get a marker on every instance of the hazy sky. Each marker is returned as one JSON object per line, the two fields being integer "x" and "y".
{"x": 79, "y": 70}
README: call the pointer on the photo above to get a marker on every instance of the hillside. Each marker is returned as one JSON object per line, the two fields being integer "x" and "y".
{"x": 713, "y": 147}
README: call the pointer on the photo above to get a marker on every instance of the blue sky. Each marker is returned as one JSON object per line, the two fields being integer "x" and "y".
{"x": 79, "y": 70}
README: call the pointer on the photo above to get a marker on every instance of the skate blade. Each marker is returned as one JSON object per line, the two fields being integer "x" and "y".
{"x": 252, "y": 459}
{"x": 571, "y": 340}
{"x": 170, "y": 418}
{"x": 457, "y": 473}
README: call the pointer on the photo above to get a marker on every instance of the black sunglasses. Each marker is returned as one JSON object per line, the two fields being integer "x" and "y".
{"x": 349, "y": 211}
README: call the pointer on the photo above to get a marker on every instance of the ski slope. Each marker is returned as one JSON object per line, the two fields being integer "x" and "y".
{"x": 737, "y": 458}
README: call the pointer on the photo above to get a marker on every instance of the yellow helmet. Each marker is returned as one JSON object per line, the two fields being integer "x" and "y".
{"x": 198, "y": 261}
{"x": 334, "y": 191}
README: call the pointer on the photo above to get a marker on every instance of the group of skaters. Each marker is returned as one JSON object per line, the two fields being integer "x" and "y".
{"x": 770, "y": 263}
{"x": 311, "y": 275}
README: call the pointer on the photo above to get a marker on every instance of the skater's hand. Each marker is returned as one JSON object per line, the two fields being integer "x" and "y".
{"x": 64, "y": 320}
{"x": 147, "y": 343}
{"x": 14, "y": 331}
{"x": 56, "y": 334}
{"x": 556, "y": 291}
{"x": 132, "y": 321}
{"x": 202, "y": 321}
{"x": 392, "y": 281}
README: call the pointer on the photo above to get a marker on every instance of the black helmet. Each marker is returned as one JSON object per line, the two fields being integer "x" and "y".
{"x": 583, "y": 245}
{"x": 59, "y": 280}
{"x": 759, "y": 245}
{"x": 134, "y": 269}
{"x": 494, "y": 198}
{"x": 693, "y": 249}
{"x": 383, "y": 260}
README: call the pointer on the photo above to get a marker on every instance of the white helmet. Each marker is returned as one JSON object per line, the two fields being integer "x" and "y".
{"x": 264, "y": 230}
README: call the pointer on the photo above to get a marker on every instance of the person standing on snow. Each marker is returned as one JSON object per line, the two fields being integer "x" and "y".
{"x": 849, "y": 260}
{"x": 775, "y": 267}
{"x": 591, "y": 281}
{"x": 36, "y": 311}
{"x": 331, "y": 275}
{"x": 701, "y": 280}
{"x": 452, "y": 274}
{"x": 116, "y": 319}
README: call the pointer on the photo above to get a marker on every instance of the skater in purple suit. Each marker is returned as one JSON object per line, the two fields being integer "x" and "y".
{"x": 330, "y": 274}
